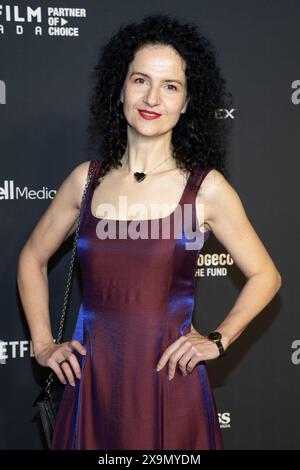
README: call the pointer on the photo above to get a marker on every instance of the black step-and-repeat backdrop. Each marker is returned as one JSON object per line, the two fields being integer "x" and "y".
{"x": 47, "y": 52}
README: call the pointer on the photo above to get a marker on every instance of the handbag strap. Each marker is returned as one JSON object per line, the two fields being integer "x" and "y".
{"x": 69, "y": 279}
{"x": 92, "y": 167}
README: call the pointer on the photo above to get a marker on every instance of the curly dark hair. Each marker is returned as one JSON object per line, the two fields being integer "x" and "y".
{"x": 199, "y": 137}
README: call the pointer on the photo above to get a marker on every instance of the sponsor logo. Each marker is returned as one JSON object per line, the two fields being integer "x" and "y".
{"x": 224, "y": 420}
{"x": 10, "y": 191}
{"x": 41, "y": 20}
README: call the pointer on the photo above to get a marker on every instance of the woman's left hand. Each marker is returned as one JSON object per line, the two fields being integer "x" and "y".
{"x": 188, "y": 350}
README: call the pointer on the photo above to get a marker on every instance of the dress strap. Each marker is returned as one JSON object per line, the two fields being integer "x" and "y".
{"x": 198, "y": 176}
{"x": 93, "y": 171}
{"x": 192, "y": 188}
{"x": 96, "y": 173}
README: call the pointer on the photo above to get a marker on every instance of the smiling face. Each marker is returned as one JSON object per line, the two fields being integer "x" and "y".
{"x": 155, "y": 82}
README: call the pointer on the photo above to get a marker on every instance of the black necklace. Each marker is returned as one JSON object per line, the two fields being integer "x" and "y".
{"x": 140, "y": 176}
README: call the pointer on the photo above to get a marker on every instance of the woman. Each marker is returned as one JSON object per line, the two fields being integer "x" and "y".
{"x": 135, "y": 368}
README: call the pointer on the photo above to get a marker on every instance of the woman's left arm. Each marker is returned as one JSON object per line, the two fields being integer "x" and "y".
{"x": 225, "y": 214}
{"x": 222, "y": 209}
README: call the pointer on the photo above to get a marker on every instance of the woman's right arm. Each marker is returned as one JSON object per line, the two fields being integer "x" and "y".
{"x": 57, "y": 223}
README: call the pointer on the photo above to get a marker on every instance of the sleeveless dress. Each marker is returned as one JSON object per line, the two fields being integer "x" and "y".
{"x": 138, "y": 298}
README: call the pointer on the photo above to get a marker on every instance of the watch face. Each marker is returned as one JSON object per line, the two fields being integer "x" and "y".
{"x": 215, "y": 335}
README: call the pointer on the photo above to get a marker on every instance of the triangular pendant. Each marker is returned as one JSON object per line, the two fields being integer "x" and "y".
{"x": 139, "y": 176}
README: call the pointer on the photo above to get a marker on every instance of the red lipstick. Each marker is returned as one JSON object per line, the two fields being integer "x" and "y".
{"x": 146, "y": 114}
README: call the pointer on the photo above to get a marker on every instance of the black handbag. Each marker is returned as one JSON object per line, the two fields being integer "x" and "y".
{"x": 49, "y": 398}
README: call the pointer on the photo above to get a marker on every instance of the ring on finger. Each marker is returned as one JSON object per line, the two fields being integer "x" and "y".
{"x": 61, "y": 362}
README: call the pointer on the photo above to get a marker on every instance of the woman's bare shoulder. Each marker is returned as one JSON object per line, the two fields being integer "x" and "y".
{"x": 212, "y": 182}
{"x": 216, "y": 193}
{"x": 214, "y": 186}
{"x": 78, "y": 178}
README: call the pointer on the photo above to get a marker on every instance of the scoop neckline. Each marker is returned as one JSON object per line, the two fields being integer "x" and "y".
{"x": 140, "y": 220}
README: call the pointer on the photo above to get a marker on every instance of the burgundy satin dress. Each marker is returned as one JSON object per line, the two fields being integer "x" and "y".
{"x": 138, "y": 298}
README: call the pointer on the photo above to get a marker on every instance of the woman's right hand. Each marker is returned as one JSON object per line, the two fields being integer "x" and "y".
{"x": 50, "y": 354}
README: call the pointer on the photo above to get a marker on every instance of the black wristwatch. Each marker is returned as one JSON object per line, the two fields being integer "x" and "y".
{"x": 216, "y": 336}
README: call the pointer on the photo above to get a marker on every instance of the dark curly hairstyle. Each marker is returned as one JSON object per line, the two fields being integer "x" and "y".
{"x": 199, "y": 138}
